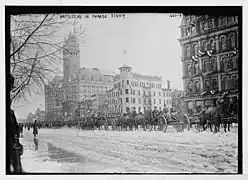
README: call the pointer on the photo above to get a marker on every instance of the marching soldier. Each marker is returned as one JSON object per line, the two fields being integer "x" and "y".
{"x": 134, "y": 113}
{"x": 149, "y": 113}
{"x": 165, "y": 109}
{"x": 129, "y": 113}
{"x": 15, "y": 149}
{"x": 155, "y": 112}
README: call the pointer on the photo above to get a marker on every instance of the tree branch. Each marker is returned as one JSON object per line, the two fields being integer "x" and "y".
{"x": 29, "y": 36}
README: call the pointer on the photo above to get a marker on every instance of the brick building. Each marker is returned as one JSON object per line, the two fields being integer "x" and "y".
{"x": 210, "y": 56}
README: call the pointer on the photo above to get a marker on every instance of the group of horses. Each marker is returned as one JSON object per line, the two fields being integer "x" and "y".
{"x": 214, "y": 121}
{"x": 127, "y": 122}
{"x": 149, "y": 123}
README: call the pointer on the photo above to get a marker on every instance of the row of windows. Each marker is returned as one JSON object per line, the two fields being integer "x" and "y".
{"x": 137, "y": 84}
{"x": 137, "y": 92}
{"x": 133, "y": 100}
{"x": 194, "y": 29}
{"x": 119, "y": 109}
{"x": 211, "y": 65}
{"x": 93, "y": 90}
{"x": 94, "y": 86}
{"x": 212, "y": 84}
{"x": 225, "y": 44}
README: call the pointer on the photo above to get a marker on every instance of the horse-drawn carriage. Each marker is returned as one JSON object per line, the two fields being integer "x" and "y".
{"x": 201, "y": 124}
{"x": 178, "y": 121}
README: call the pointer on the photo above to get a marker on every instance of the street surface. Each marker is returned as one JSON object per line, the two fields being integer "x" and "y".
{"x": 71, "y": 150}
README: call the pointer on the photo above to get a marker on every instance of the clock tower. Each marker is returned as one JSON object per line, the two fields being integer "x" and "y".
{"x": 71, "y": 58}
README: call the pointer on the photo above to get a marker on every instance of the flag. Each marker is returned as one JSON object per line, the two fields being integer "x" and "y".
{"x": 195, "y": 59}
{"x": 200, "y": 53}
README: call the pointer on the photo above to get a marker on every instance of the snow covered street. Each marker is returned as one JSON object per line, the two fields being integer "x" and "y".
{"x": 71, "y": 150}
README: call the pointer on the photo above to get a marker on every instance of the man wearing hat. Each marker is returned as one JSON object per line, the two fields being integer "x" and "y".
{"x": 134, "y": 113}
{"x": 225, "y": 109}
{"x": 15, "y": 149}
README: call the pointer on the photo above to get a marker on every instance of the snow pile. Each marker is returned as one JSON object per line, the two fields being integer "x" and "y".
{"x": 32, "y": 163}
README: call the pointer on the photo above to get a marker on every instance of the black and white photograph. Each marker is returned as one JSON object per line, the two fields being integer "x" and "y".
{"x": 133, "y": 90}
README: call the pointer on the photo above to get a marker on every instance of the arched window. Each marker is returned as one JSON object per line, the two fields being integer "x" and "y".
{"x": 189, "y": 69}
{"x": 223, "y": 20}
{"x": 234, "y": 61}
{"x": 230, "y": 19}
{"x": 204, "y": 46}
{"x": 212, "y": 44}
{"x": 229, "y": 64}
{"x": 195, "y": 47}
{"x": 232, "y": 38}
{"x": 224, "y": 83}
{"x": 196, "y": 68}
{"x": 187, "y": 51}
{"x": 190, "y": 86}
{"x": 205, "y": 66}
{"x": 197, "y": 86}
{"x": 207, "y": 85}
{"x": 223, "y": 43}
{"x": 213, "y": 65}
{"x": 225, "y": 64}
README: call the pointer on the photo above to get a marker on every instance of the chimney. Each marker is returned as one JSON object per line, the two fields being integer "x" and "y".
{"x": 168, "y": 84}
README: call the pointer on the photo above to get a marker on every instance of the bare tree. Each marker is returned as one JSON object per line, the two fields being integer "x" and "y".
{"x": 36, "y": 50}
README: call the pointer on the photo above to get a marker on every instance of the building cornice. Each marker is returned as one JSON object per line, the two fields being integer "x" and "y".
{"x": 209, "y": 33}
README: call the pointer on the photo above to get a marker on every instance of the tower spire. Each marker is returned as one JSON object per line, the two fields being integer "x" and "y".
{"x": 125, "y": 59}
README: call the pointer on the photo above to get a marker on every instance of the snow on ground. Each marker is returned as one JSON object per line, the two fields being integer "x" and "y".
{"x": 31, "y": 163}
{"x": 113, "y": 151}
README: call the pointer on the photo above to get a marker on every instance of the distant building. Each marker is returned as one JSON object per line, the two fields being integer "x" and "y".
{"x": 132, "y": 90}
{"x": 64, "y": 93}
{"x": 210, "y": 55}
{"x": 176, "y": 97}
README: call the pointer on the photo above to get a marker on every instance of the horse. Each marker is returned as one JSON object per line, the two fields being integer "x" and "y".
{"x": 203, "y": 121}
{"x": 140, "y": 120}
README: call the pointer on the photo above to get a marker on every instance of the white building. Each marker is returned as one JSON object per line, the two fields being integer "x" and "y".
{"x": 132, "y": 90}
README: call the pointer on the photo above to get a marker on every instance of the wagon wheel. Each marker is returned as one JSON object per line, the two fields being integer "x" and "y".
{"x": 186, "y": 122}
{"x": 179, "y": 127}
{"x": 198, "y": 127}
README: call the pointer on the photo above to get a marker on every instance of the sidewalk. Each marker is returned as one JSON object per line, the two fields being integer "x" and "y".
{"x": 36, "y": 156}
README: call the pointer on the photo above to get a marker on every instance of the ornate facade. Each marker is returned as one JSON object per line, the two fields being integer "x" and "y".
{"x": 64, "y": 94}
{"x": 210, "y": 56}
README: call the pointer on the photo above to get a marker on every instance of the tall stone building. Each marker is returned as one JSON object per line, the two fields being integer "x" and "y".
{"x": 132, "y": 90}
{"x": 64, "y": 94}
{"x": 210, "y": 55}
